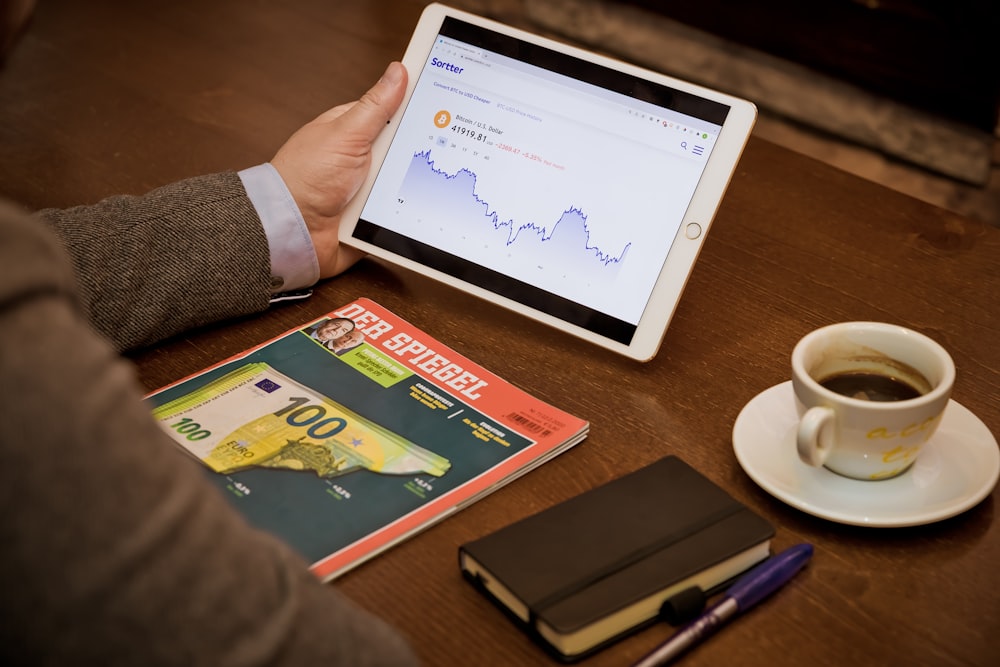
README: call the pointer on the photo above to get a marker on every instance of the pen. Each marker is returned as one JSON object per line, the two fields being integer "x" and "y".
{"x": 748, "y": 590}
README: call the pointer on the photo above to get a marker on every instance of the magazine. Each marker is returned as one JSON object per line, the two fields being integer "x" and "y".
{"x": 357, "y": 430}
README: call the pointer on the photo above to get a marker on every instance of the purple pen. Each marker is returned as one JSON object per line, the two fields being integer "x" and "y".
{"x": 748, "y": 590}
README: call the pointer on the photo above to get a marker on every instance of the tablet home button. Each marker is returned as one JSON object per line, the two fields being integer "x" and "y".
{"x": 693, "y": 230}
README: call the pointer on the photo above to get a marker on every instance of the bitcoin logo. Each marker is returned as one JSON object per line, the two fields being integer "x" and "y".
{"x": 442, "y": 118}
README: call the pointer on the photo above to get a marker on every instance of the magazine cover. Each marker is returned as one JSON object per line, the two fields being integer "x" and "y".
{"x": 355, "y": 431}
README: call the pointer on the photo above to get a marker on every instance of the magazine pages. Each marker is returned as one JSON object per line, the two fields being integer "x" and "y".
{"x": 357, "y": 430}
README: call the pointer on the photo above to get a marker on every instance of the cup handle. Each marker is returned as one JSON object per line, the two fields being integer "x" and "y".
{"x": 811, "y": 449}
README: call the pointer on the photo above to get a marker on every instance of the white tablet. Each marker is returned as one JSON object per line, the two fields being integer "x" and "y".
{"x": 566, "y": 186}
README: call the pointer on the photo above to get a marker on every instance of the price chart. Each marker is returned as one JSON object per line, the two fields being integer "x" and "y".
{"x": 550, "y": 189}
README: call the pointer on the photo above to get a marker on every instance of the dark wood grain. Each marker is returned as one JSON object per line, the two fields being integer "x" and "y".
{"x": 105, "y": 97}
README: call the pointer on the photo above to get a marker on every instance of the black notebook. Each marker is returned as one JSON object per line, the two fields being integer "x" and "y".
{"x": 589, "y": 570}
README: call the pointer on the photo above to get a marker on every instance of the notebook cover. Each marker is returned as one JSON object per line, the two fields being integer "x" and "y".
{"x": 599, "y": 552}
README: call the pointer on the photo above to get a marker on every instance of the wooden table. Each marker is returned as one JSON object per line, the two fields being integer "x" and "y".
{"x": 105, "y": 97}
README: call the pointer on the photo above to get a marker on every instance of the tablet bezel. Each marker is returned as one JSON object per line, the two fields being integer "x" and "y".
{"x": 691, "y": 233}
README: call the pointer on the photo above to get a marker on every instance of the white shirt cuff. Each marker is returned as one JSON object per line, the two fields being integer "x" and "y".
{"x": 293, "y": 258}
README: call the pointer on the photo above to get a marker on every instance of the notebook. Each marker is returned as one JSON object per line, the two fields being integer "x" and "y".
{"x": 592, "y": 569}
{"x": 566, "y": 186}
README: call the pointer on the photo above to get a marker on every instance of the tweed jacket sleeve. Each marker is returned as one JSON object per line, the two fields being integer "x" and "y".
{"x": 114, "y": 549}
{"x": 181, "y": 256}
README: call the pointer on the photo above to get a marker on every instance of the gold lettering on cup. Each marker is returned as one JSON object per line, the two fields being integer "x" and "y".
{"x": 883, "y": 433}
{"x": 900, "y": 453}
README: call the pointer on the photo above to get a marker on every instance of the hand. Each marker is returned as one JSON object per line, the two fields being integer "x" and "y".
{"x": 326, "y": 161}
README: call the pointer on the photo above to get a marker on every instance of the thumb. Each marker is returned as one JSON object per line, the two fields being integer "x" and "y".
{"x": 369, "y": 115}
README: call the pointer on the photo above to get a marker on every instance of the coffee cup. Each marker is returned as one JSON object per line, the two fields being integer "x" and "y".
{"x": 868, "y": 395}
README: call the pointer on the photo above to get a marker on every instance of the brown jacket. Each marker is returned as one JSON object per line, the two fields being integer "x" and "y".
{"x": 113, "y": 548}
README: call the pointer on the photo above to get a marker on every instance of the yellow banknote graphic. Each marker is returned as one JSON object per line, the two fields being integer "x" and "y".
{"x": 255, "y": 416}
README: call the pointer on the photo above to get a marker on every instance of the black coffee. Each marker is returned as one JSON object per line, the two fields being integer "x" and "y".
{"x": 870, "y": 386}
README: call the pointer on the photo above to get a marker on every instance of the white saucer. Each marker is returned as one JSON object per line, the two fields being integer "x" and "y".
{"x": 956, "y": 469}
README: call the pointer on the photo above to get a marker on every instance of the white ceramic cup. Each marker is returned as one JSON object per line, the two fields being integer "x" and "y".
{"x": 866, "y": 439}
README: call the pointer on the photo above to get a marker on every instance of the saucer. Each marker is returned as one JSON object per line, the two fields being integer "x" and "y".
{"x": 956, "y": 469}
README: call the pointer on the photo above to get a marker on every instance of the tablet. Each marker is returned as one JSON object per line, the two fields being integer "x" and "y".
{"x": 569, "y": 187}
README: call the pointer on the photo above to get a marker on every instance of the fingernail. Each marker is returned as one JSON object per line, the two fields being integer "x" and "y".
{"x": 393, "y": 73}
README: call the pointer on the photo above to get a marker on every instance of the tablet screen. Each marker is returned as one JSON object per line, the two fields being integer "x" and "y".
{"x": 552, "y": 181}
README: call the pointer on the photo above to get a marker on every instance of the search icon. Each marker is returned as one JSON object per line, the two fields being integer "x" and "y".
{"x": 684, "y": 145}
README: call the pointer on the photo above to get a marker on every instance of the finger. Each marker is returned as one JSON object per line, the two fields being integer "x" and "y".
{"x": 369, "y": 115}
{"x": 334, "y": 113}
